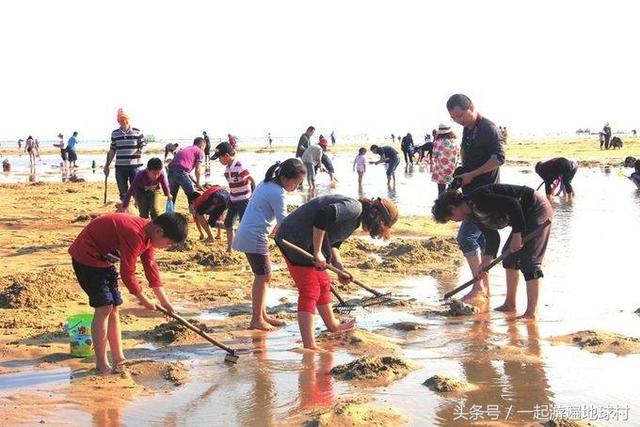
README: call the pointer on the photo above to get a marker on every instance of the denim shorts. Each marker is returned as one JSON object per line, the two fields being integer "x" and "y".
{"x": 101, "y": 284}
{"x": 235, "y": 209}
{"x": 470, "y": 238}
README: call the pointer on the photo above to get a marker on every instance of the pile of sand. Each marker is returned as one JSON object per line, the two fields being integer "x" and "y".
{"x": 175, "y": 333}
{"x": 36, "y": 290}
{"x": 375, "y": 370}
{"x": 408, "y": 326}
{"x": 359, "y": 342}
{"x": 433, "y": 256}
{"x": 458, "y": 308}
{"x": 442, "y": 384}
{"x": 85, "y": 217}
{"x": 218, "y": 257}
{"x": 151, "y": 373}
{"x": 352, "y": 412}
{"x": 602, "y": 342}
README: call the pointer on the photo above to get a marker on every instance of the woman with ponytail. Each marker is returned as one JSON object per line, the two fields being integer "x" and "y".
{"x": 266, "y": 204}
{"x": 319, "y": 227}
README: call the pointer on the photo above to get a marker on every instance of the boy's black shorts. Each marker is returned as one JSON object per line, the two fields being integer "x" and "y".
{"x": 101, "y": 284}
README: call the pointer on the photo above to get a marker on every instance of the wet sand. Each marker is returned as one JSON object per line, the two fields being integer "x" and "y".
{"x": 184, "y": 380}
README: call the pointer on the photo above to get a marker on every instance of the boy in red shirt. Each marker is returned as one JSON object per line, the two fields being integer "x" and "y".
{"x": 125, "y": 238}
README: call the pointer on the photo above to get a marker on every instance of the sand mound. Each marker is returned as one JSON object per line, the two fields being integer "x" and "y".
{"x": 35, "y": 290}
{"x": 455, "y": 308}
{"x": 351, "y": 413}
{"x": 408, "y": 326}
{"x": 436, "y": 256}
{"x": 359, "y": 342}
{"x": 602, "y": 342}
{"x": 150, "y": 373}
{"x": 176, "y": 333}
{"x": 218, "y": 258}
{"x": 375, "y": 370}
{"x": 442, "y": 384}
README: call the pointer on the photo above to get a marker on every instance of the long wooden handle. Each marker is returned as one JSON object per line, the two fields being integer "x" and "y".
{"x": 496, "y": 261}
{"x": 331, "y": 267}
{"x": 106, "y": 177}
{"x": 195, "y": 329}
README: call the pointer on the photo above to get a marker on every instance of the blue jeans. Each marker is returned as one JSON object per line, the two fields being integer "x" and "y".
{"x": 124, "y": 178}
{"x": 179, "y": 178}
{"x": 470, "y": 238}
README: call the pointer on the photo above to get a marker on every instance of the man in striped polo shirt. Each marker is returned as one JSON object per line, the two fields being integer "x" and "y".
{"x": 241, "y": 185}
{"x": 126, "y": 146}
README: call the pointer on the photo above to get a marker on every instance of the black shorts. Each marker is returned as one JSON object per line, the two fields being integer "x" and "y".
{"x": 260, "y": 264}
{"x": 235, "y": 209}
{"x": 63, "y": 154}
{"x": 101, "y": 284}
{"x": 72, "y": 155}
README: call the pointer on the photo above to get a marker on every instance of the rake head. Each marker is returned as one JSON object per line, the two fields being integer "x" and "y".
{"x": 344, "y": 308}
{"x": 231, "y": 358}
{"x": 377, "y": 300}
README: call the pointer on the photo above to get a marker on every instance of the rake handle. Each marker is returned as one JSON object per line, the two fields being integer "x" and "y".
{"x": 331, "y": 267}
{"x": 496, "y": 261}
{"x": 106, "y": 177}
{"x": 195, "y": 329}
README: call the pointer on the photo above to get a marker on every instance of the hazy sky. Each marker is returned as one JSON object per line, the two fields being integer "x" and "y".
{"x": 250, "y": 67}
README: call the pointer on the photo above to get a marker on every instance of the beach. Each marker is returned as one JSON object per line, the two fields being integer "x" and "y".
{"x": 499, "y": 371}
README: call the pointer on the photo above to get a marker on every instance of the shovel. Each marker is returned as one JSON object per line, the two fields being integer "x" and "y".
{"x": 231, "y": 356}
{"x": 378, "y": 297}
{"x": 496, "y": 261}
{"x": 106, "y": 177}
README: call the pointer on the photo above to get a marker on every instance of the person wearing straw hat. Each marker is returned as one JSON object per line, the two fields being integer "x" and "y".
{"x": 63, "y": 149}
{"x": 126, "y": 146}
{"x": 444, "y": 157}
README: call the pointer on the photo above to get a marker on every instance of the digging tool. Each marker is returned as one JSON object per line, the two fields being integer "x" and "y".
{"x": 231, "y": 356}
{"x": 496, "y": 261}
{"x": 378, "y": 297}
{"x": 106, "y": 177}
{"x": 342, "y": 307}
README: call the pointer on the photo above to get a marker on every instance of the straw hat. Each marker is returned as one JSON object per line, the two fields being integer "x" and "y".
{"x": 443, "y": 129}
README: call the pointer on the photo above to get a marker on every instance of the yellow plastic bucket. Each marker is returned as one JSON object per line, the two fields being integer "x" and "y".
{"x": 79, "y": 328}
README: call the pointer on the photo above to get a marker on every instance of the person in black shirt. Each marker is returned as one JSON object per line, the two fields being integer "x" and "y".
{"x": 407, "y": 148}
{"x": 207, "y": 147}
{"x": 557, "y": 169}
{"x": 496, "y": 206}
{"x": 482, "y": 154}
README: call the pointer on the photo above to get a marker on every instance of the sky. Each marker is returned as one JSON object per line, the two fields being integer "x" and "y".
{"x": 375, "y": 67}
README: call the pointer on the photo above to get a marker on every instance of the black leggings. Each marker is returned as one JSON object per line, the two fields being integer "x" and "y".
{"x": 441, "y": 188}
{"x": 408, "y": 157}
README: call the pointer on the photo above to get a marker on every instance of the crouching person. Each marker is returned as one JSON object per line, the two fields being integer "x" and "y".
{"x": 125, "y": 238}
{"x": 496, "y": 206}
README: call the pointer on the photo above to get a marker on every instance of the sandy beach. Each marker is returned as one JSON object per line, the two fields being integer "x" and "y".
{"x": 487, "y": 359}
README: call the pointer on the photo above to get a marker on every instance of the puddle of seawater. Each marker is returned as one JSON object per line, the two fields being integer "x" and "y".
{"x": 34, "y": 379}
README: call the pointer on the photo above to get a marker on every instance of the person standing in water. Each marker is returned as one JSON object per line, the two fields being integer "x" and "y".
{"x": 360, "y": 165}
{"x": 207, "y": 147}
{"x": 252, "y": 237}
{"x": 496, "y": 206}
{"x": 269, "y": 139}
{"x": 63, "y": 150}
{"x": 559, "y": 169}
{"x": 304, "y": 141}
{"x": 606, "y": 130}
{"x": 30, "y": 149}
{"x": 320, "y": 226}
{"x": 482, "y": 156}
{"x": 71, "y": 150}
{"x": 389, "y": 156}
{"x": 333, "y": 138}
{"x": 126, "y": 146}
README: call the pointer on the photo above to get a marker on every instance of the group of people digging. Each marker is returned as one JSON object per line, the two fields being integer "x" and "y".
{"x": 319, "y": 227}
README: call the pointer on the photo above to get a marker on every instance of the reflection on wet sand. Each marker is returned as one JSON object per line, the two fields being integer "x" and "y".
{"x": 510, "y": 395}
{"x": 315, "y": 383}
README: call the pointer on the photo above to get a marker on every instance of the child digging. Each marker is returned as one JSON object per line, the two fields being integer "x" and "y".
{"x": 144, "y": 189}
{"x": 496, "y": 206}
{"x": 120, "y": 237}
{"x": 212, "y": 202}
{"x": 319, "y": 227}
{"x": 267, "y": 204}
{"x": 241, "y": 184}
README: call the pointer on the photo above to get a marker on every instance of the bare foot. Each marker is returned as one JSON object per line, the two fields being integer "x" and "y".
{"x": 527, "y": 316}
{"x": 341, "y": 327}
{"x": 273, "y": 321}
{"x": 506, "y": 308}
{"x": 201, "y": 237}
{"x": 208, "y": 240}
{"x": 261, "y": 325}
{"x": 473, "y": 296}
{"x": 104, "y": 370}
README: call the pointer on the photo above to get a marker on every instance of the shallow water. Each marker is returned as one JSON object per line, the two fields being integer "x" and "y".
{"x": 588, "y": 284}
